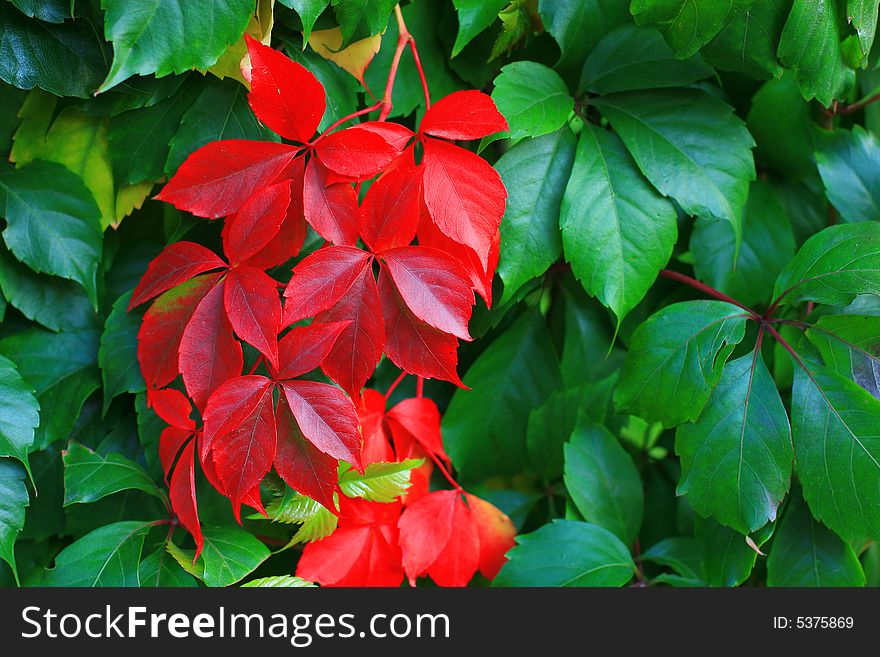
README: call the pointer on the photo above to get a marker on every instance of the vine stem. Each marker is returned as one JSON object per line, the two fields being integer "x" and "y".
{"x": 706, "y": 289}
{"x": 256, "y": 364}
{"x": 855, "y": 107}
{"x": 420, "y": 387}
{"x": 445, "y": 472}
{"x": 394, "y": 384}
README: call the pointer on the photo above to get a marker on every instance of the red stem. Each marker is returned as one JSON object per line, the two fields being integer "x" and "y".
{"x": 394, "y": 385}
{"x": 445, "y": 472}
{"x": 420, "y": 387}
{"x": 706, "y": 289}
{"x": 257, "y": 362}
{"x": 855, "y": 107}
{"x": 344, "y": 119}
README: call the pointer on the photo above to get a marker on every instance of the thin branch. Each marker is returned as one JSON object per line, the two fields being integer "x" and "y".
{"x": 855, "y": 107}
{"x": 706, "y": 289}
{"x": 395, "y": 383}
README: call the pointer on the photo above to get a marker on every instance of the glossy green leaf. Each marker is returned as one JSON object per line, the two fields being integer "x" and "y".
{"x": 805, "y": 553}
{"x": 603, "y": 481}
{"x": 567, "y": 553}
{"x": 108, "y": 556}
{"x": 849, "y": 163}
{"x": 533, "y": 99}
{"x": 850, "y": 345}
{"x": 88, "y": 476}
{"x": 617, "y": 232}
{"x": 52, "y": 222}
{"x": 308, "y": 11}
{"x": 768, "y": 243}
{"x": 833, "y": 266}
{"x": 315, "y": 520}
{"x": 380, "y": 482}
{"x": 836, "y": 430}
{"x": 50, "y": 11}
{"x": 675, "y": 360}
{"x": 690, "y": 146}
{"x": 279, "y": 581}
{"x": 13, "y": 500}
{"x": 19, "y": 412}
{"x": 749, "y": 41}
{"x": 484, "y": 428}
{"x": 810, "y": 46}
{"x": 159, "y": 569}
{"x": 682, "y": 553}
{"x": 728, "y": 558}
{"x": 688, "y": 25}
{"x": 117, "y": 354}
{"x": 736, "y": 460}
{"x": 359, "y": 19}
{"x": 165, "y": 36}
{"x": 862, "y": 14}
{"x": 534, "y": 172}
{"x": 474, "y": 16}
{"x": 631, "y": 57}
{"x": 229, "y": 555}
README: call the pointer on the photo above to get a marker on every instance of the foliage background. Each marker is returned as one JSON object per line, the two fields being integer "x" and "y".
{"x": 710, "y": 137}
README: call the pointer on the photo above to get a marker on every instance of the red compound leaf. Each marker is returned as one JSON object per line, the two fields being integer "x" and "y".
{"x": 176, "y": 264}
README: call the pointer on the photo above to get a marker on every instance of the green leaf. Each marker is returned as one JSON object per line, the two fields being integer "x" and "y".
{"x": 279, "y": 581}
{"x": 56, "y": 303}
{"x": 534, "y": 172}
{"x": 862, "y": 14}
{"x": 359, "y": 19}
{"x": 617, "y": 231}
{"x": 19, "y": 412}
{"x": 850, "y": 345}
{"x": 603, "y": 482}
{"x": 474, "y": 16}
{"x": 380, "y": 482}
{"x": 836, "y": 432}
{"x": 88, "y": 476}
{"x": 293, "y": 508}
{"x": 578, "y": 25}
{"x": 690, "y": 146}
{"x": 52, "y": 222}
{"x": 160, "y": 570}
{"x": 117, "y": 355}
{"x": 108, "y": 556}
{"x": 748, "y": 43}
{"x": 484, "y": 428}
{"x": 66, "y": 59}
{"x": 768, "y": 243}
{"x": 533, "y": 99}
{"x": 778, "y": 108}
{"x": 50, "y": 11}
{"x": 810, "y": 46}
{"x": 728, "y": 558}
{"x": 681, "y": 553}
{"x": 587, "y": 352}
{"x": 61, "y": 368}
{"x": 308, "y": 11}
{"x": 165, "y": 36}
{"x": 630, "y": 58}
{"x": 805, "y": 553}
{"x": 849, "y": 163}
{"x": 675, "y": 359}
{"x": 229, "y": 555}
{"x": 13, "y": 500}
{"x": 688, "y": 25}
{"x": 833, "y": 266}
{"x": 567, "y": 553}
{"x": 736, "y": 459}
{"x": 220, "y": 112}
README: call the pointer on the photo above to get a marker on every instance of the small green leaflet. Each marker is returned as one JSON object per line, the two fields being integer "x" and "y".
{"x": 381, "y": 482}
{"x": 308, "y": 11}
{"x": 117, "y": 354}
{"x": 474, "y": 16}
{"x": 293, "y": 508}
{"x": 863, "y": 16}
{"x": 850, "y": 345}
{"x": 533, "y": 99}
{"x": 19, "y": 413}
{"x": 849, "y": 163}
{"x": 279, "y": 581}
{"x": 13, "y": 500}
{"x": 682, "y": 554}
{"x": 567, "y": 553}
{"x": 88, "y": 476}
{"x": 160, "y": 569}
{"x": 229, "y": 555}
{"x": 675, "y": 359}
{"x": 359, "y": 19}
{"x": 728, "y": 557}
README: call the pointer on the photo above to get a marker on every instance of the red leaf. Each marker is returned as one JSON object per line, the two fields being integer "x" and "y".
{"x": 390, "y": 211}
{"x": 230, "y": 404}
{"x": 356, "y": 152}
{"x": 496, "y": 532}
{"x": 417, "y": 419}
{"x": 289, "y": 240}
{"x": 398, "y": 136}
{"x": 419, "y": 479}
{"x": 183, "y": 495}
{"x": 327, "y": 419}
{"x": 481, "y": 277}
{"x": 254, "y": 309}
{"x": 172, "y": 406}
{"x": 321, "y": 279}
{"x": 162, "y": 328}
{"x": 244, "y": 455}
{"x": 177, "y": 263}
{"x": 358, "y": 348}
{"x": 257, "y": 222}
{"x": 303, "y": 466}
{"x": 438, "y": 537}
{"x": 463, "y": 115}
{"x": 284, "y": 95}
{"x": 371, "y": 413}
{"x": 331, "y": 209}
{"x": 209, "y": 353}
{"x": 362, "y": 551}
{"x": 304, "y": 348}
{"x": 170, "y": 441}
{"x": 413, "y": 345}
{"x": 434, "y": 286}
{"x": 464, "y": 196}
{"x": 252, "y": 499}
{"x": 217, "y": 179}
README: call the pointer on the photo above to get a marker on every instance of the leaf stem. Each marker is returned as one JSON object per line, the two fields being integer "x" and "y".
{"x": 706, "y": 289}
{"x": 855, "y": 107}
{"x": 445, "y": 472}
{"x": 344, "y": 119}
{"x": 256, "y": 364}
{"x": 394, "y": 384}
{"x": 420, "y": 387}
